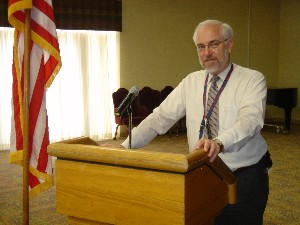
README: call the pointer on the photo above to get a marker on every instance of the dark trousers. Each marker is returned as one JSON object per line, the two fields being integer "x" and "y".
{"x": 252, "y": 195}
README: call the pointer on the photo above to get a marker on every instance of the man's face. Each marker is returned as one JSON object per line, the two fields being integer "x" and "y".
{"x": 213, "y": 53}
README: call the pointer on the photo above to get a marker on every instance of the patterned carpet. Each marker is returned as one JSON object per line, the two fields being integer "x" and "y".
{"x": 284, "y": 201}
{"x": 282, "y": 209}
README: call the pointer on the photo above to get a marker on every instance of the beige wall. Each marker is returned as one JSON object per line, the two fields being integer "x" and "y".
{"x": 157, "y": 47}
{"x": 289, "y": 51}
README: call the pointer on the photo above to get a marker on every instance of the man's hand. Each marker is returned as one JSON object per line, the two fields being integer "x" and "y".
{"x": 209, "y": 146}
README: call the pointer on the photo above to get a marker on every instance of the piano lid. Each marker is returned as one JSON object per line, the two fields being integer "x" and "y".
{"x": 282, "y": 97}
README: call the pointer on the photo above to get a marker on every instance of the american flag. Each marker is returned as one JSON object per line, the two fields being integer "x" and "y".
{"x": 45, "y": 63}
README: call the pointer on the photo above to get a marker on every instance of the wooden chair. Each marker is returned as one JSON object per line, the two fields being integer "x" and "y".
{"x": 165, "y": 92}
{"x": 138, "y": 112}
{"x": 149, "y": 98}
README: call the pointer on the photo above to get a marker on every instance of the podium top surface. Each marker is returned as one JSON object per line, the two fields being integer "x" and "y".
{"x": 85, "y": 149}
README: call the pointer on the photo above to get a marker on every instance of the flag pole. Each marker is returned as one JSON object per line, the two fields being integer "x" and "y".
{"x": 26, "y": 101}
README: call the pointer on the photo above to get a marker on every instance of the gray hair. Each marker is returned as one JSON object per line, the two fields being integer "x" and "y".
{"x": 226, "y": 29}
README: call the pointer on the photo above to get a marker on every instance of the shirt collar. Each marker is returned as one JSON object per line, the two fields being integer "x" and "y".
{"x": 223, "y": 74}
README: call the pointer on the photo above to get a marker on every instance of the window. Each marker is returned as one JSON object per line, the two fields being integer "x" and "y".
{"x": 79, "y": 101}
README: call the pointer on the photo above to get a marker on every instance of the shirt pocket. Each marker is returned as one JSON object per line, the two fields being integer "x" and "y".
{"x": 229, "y": 115}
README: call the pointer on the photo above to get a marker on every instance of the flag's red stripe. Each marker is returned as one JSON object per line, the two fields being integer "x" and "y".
{"x": 33, "y": 181}
{"x": 50, "y": 66}
{"x": 19, "y": 15}
{"x": 45, "y": 8}
{"x": 23, "y": 67}
{"x": 35, "y": 106}
{"x": 17, "y": 100}
{"x": 43, "y": 157}
{"x": 37, "y": 94}
{"x": 10, "y": 2}
{"x": 36, "y": 102}
{"x": 44, "y": 34}
{"x": 16, "y": 115}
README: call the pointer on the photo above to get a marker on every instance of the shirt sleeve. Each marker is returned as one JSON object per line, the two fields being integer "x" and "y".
{"x": 244, "y": 118}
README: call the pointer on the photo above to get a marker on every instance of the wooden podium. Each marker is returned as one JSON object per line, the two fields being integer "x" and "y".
{"x": 102, "y": 185}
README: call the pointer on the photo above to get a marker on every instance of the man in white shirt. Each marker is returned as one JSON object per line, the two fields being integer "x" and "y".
{"x": 241, "y": 101}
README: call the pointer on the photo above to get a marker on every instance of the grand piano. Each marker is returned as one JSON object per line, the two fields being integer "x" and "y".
{"x": 285, "y": 98}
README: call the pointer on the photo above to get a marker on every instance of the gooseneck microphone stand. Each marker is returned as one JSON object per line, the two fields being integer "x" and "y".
{"x": 129, "y": 111}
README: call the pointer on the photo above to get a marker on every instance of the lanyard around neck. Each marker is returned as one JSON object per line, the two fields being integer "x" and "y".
{"x": 207, "y": 116}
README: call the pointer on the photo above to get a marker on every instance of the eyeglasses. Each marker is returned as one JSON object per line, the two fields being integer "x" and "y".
{"x": 211, "y": 45}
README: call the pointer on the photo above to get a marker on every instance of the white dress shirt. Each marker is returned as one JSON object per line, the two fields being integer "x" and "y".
{"x": 241, "y": 115}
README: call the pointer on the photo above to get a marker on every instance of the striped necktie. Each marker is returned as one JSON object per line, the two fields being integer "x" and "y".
{"x": 212, "y": 126}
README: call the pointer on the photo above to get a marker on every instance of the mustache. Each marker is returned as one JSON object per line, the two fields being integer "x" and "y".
{"x": 209, "y": 59}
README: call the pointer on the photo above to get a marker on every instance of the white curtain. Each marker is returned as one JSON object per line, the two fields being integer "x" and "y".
{"x": 6, "y": 55}
{"x": 79, "y": 101}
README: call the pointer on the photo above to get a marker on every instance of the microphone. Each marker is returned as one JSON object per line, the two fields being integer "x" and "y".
{"x": 133, "y": 92}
